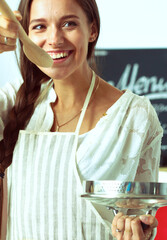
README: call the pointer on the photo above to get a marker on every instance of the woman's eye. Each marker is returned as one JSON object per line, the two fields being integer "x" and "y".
{"x": 38, "y": 27}
{"x": 69, "y": 24}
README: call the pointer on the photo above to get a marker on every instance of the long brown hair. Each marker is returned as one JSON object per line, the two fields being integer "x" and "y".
{"x": 91, "y": 10}
{"x": 29, "y": 91}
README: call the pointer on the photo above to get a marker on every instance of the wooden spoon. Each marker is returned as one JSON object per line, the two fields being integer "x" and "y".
{"x": 34, "y": 53}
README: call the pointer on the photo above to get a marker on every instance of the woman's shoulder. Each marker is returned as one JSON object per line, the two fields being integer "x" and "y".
{"x": 111, "y": 96}
{"x": 142, "y": 103}
{"x": 114, "y": 95}
{"x": 109, "y": 93}
{"x": 129, "y": 103}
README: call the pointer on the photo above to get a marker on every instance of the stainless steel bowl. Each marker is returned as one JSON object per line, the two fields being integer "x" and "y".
{"x": 131, "y": 195}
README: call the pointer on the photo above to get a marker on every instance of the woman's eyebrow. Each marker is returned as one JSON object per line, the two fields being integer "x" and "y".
{"x": 69, "y": 16}
{"x": 62, "y": 18}
{"x": 37, "y": 20}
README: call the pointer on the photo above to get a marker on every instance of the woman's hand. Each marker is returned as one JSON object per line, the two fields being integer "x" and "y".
{"x": 129, "y": 228}
{"x": 8, "y": 33}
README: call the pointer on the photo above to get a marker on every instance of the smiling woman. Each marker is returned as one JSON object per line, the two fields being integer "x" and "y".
{"x": 65, "y": 124}
{"x": 63, "y": 32}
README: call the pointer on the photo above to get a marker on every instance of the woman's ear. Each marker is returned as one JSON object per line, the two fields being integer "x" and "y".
{"x": 93, "y": 32}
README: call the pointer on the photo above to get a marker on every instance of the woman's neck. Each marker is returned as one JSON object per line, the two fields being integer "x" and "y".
{"x": 72, "y": 91}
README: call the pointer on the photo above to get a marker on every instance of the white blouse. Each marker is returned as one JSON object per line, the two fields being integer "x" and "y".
{"x": 124, "y": 145}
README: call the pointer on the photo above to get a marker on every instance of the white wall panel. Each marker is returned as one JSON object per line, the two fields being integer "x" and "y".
{"x": 133, "y": 24}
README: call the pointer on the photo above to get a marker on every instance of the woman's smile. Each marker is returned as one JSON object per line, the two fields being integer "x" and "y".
{"x": 59, "y": 56}
{"x": 61, "y": 28}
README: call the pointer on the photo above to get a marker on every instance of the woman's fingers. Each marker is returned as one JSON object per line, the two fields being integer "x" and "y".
{"x": 128, "y": 230}
{"x": 133, "y": 229}
{"x": 137, "y": 229}
{"x": 121, "y": 226}
{"x": 115, "y": 230}
{"x": 129, "y": 227}
{"x": 8, "y": 28}
{"x": 7, "y": 44}
{"x": 8, "y": 33}
{"x": 7, "y": 41}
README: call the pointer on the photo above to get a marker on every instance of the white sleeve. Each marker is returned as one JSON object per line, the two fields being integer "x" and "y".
{"x": 148, "y": 167}
{"x": 7, "y": 101}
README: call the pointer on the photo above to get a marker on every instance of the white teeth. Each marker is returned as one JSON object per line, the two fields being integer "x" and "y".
{"x": 58, "y": 55}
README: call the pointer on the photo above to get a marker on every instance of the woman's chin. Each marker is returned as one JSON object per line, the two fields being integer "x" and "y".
{"x": 52, "y": 73}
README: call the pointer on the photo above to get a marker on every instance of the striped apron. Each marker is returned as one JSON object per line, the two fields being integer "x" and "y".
{"x": 44, "y": 189}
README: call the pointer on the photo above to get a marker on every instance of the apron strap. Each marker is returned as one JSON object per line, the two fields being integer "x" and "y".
{"x": 75, "y": 145}
{"x": 89, "y": 94}
{"x": 74, "y": 161}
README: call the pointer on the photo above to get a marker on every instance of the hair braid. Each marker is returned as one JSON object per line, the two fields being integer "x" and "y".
{"x": 19, "y": 116}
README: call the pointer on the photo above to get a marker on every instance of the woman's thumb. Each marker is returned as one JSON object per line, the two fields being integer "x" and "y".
{"x": 149, "y": 220}
{"x": 18, "y": 15}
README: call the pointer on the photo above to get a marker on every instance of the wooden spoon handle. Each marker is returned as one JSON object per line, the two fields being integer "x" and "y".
{"x": 7, "y": 12}
{"x": 34, "y": 53}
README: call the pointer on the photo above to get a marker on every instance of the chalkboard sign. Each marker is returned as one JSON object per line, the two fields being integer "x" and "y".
{"x": 144, "y": 71}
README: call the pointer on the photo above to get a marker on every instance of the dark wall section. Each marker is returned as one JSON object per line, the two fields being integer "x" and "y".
{"x": 144, "y": 71}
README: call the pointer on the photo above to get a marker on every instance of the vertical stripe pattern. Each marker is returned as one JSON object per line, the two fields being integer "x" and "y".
{"x": 43, "y": 191}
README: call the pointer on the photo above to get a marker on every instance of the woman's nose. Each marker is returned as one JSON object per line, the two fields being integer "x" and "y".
{"x": 55, "y": 37}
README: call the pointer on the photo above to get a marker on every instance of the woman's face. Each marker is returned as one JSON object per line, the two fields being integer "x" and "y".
{"x": 61, "y": 28}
